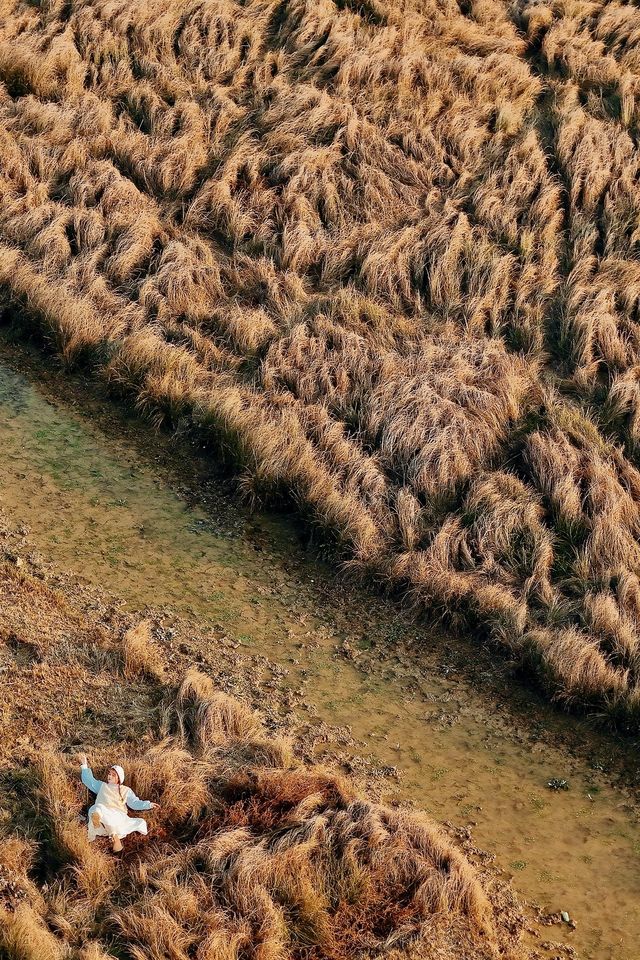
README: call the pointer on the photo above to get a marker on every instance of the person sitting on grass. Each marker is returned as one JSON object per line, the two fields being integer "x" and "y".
{"x": 108, "y": 816}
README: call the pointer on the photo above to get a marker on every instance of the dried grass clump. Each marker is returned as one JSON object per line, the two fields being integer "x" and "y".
{"x": 575, "y": 663}
{"x": 246, "y": 860}
{"x": 433, "y": 412}
{"x": 491, "y": 559}
{"x": 592, "y": 492}
{"x": 142, "y": 656}
{"x": 204, "y": 716}
{"x": 355, "y": 243}
{"x": 546, "y": 562}
{"x": 24, "y": 936}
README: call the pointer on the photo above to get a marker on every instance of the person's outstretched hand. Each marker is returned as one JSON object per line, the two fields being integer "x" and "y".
{"x": 155, "y": 806}
{"x": 83, "y": 759}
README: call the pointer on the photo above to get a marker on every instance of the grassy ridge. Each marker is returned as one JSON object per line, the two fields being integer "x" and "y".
{"x": 387, "y": 255}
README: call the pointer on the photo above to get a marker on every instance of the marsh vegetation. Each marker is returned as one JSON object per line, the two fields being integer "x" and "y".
{"x": 385, "y": 255}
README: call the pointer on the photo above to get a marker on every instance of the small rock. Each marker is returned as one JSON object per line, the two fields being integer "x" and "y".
{"x": 565, "y": 916}
{"x": 557, "y": 783}
{"x": 348, "y": 651}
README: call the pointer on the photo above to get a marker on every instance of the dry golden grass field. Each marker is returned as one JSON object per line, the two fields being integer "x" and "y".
{"x": 386, "y": 255}
{"x": 252, "y": 855}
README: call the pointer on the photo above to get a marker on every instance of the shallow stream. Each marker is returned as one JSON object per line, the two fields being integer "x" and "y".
{"x": 100, "y": 504}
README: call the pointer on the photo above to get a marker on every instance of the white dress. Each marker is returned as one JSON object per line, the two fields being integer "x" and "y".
{"x": 111, "y": 806}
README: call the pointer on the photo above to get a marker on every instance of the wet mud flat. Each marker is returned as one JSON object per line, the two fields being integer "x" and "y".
{"x": 448, "y": 727}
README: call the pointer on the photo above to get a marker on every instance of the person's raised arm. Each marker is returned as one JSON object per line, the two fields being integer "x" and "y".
{"x": 86, "y": 775}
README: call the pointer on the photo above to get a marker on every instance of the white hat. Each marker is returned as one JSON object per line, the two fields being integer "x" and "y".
{"x": 118, "y": 769}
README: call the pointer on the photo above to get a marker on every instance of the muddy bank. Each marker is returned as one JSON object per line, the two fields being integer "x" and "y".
{"x": 141, "y": 516}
